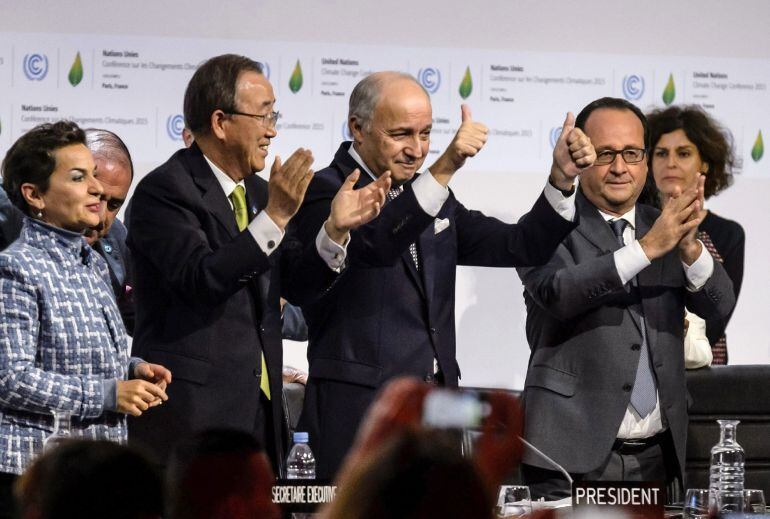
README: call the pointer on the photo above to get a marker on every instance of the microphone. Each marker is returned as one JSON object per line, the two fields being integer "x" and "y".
{"x": 552, "y": 463}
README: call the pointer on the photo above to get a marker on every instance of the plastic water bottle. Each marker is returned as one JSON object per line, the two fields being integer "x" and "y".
{"x": 300, "y": 464}
{"x": 62, "y": 430}
{"x": 727, "y": 470}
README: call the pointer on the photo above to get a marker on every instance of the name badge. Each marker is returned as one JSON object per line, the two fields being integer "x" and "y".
{"x": 642, "y": 499}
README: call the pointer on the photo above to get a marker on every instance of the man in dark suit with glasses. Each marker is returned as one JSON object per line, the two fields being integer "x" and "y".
{"x": 207, "y": 236}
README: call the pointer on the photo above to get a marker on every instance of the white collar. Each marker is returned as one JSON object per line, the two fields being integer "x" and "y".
{"x": 630, "y": 216}
{"x": 353, "y": 153}
{"x": 227, "y": 183}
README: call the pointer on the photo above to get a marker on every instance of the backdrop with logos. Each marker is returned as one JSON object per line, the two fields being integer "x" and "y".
{"x": 133, "y": 85}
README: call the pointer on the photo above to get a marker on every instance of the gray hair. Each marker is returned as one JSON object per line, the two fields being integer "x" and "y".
{"x": 107, "y": 144}
{"x": 366, "y": 94}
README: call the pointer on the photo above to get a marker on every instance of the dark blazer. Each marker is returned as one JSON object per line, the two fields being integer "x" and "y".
{"x": 585, "y": 341}
{"x": 11, "y": 220}
{"x": 207, "y": 301}
{"x": 382, "y": 317}
{"x": 112, "y": 247}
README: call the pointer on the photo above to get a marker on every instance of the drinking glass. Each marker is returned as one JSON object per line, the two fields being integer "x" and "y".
{"x": 730, "y": 502}
{"x": 696, "y": 503}
{"x": 753, "y": 502}
{"x": 513, "y": 500}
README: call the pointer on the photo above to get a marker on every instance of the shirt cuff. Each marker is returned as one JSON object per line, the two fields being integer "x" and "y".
{"x": 700, "y": 271}
{"x": 429, "y": 193}
{"x": 630, "y": 261}
{"x": 330, "y": 251}
{"x": 110, "y": 393}
{"x": 564, "y": 205}
{"x": 265, "y": 233}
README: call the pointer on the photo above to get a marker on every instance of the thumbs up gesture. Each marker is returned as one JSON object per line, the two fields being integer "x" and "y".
{"x": 571, "y": 155}
{"x": 467, "y": 142}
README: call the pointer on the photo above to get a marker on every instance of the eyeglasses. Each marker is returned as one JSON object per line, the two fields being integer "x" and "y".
{"x": 630, "y": 156}
{"x": 265, "y": 120}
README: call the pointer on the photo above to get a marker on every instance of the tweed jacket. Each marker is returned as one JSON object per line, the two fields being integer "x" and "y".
{"x": 61, "y": 338}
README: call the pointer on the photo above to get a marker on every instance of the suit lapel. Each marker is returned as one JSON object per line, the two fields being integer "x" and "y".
{"x": 414, "y": 275}
{"x": 256, "y": 201}
{"x": 424, "y": 250}
{"x": 214, "y": 199}
{"x": 256, "y": 195}
{"x": 648, "y": 277}
{"x": 345, "y": 164}
{"x": 596, "y": 230}
{"x": 427, "y": 252}
{"x": 593, "y": 227}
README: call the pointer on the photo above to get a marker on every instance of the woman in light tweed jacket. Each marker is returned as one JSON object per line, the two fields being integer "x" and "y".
{"x": 63, "y": 346}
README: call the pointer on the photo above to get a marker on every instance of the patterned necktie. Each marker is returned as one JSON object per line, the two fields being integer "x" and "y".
{"x": 644, "y": 395}
{"x": 392, "y": 195}
{"x": 238, "y": 198}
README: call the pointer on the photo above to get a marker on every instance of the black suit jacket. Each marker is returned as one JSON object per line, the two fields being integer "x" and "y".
{"x": 207, "y": 301}
{"x": 382, "y": 317}
{"x": 11, "y": 220}
{"x": 112, "y": 247}
{"x": 585, "y": 341}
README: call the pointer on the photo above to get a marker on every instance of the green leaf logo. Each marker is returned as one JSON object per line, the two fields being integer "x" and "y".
{"x": 466, "y": 86}
{"x": 758, "y": 149}
{"x": 76, "y": 71}
{"x": 669, "y": 93}
{"x": 295, "y": 82}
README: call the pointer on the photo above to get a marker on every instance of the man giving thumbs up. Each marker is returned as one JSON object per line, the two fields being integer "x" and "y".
{"x": 391, "y": 311}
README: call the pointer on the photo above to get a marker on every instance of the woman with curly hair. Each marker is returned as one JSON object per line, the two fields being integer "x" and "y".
{"x": 686, "y": 143}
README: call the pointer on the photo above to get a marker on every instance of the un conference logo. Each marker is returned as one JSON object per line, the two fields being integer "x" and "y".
{"x": 633, "y": 87}
{"x": 553, "y": 135}
{"x": 430, "y": 79}
{"x": 35, "y": 66}
{"x": 174, "y": 127}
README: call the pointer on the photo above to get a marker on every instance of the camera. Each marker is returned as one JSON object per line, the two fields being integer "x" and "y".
{"x": 445, "y": 409}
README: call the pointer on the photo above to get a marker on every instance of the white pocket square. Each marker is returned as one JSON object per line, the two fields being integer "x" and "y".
{"x": 440, "y": 224}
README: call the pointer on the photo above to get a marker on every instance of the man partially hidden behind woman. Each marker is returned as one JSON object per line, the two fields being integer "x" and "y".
{"x": 63, "y": 346}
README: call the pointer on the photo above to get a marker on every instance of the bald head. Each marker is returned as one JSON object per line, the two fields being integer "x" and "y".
{"x": 114, "y": 171}
{"x": 368, "y": 91}
{"x": 107, "y": 145}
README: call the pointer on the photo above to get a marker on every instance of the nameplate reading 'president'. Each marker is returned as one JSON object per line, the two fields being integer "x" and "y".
{"x": 639, "y": 499}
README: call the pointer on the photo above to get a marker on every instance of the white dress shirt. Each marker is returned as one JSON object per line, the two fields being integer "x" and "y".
{"x": 697, "y": 348}
{"x": 268, "y": 235}
{"x": 629, "y": 261}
